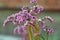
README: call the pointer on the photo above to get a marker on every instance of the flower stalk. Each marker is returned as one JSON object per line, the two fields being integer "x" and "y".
{"x": 29, "y": 32}
{"x": 46, "y": 34}
{"x": 36, "y": 30}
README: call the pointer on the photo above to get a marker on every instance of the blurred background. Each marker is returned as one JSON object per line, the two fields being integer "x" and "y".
{"x": 48, "y": 4}
{"x": 8, "y": 7}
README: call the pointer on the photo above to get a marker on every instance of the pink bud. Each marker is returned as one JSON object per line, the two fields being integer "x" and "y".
{"x": 26, "y": 23}
{"x": 23, "y": 28}
{"x": 50, "y": 30}
{"x": 42, "y": 23}
{"x": 50, "y": 19}
{"x": 5, "y": 22}
{"x": 24, "y": 8}
{"x": 17, "y": 30}
{"x": 41, "y": 8}
{"x": 32, "y": 1}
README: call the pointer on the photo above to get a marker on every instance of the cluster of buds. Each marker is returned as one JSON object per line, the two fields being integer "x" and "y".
{"x": 43, "y": 25}
{"x": 25, "y": 17}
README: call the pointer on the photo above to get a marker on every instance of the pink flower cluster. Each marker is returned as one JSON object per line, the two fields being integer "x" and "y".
{"x": 25, "y": 17}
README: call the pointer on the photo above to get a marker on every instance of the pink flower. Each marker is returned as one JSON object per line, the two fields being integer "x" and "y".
{"x": 32, "y": 1}
{"x": 50, "y": 30}
{"x": 42, "y": 23}
{"x": 41, "y": 8}
{"x": 24, "y": 8}
{"x": 17, "y": 30}
{"x": 24, "y": 30}
{"x": 50, "y": 19}
{"x": 28, "y": 15}
{"x": 18, "y": 19}
{"x": 33, "y": 18}
{"x": 24, "y": 11}
{"x": 5, "y": 22}
{"x": 26, "y": 23}
{"x": 36, "y": 9}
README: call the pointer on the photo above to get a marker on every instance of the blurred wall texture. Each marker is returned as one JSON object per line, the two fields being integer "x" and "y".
{"x": 48, "y": 4}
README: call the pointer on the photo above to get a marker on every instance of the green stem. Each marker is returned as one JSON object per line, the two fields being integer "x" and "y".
{"x": 41, "y": 36}
{"x": 47, "y": 34}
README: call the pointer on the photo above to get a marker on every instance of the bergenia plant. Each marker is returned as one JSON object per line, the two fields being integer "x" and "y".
{"x": 28, "y": 24}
